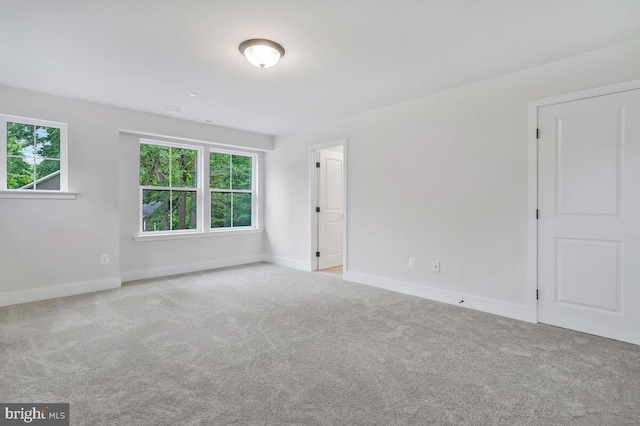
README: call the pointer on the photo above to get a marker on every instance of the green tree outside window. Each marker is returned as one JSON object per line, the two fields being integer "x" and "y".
{"x": 33, "y": 156}
{"x": 231, "y": 183}
{"x": 169, "y": 179}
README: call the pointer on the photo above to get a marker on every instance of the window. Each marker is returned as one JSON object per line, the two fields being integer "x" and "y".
{"x": 174, "y": 198}
{"x": 169, "y": 187}
{"x": 232, "y": 189}
{"x": 33, "y": 154}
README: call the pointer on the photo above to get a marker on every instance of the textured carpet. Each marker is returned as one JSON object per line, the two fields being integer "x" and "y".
{"x": 266, "y": 345}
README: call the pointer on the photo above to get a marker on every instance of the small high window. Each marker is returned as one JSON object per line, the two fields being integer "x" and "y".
{"x": 33, "y": 154}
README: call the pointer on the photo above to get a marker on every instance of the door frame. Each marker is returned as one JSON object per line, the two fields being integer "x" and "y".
{"x": 532, "y": 231}
{"x": 313, "y": 222}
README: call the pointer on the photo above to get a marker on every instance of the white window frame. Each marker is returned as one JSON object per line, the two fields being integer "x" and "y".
{"x": 64, "y": 166}
{"x": 199, "y": 190}
{"x": 203, "y": 192}
{"x": 253, "y": 191}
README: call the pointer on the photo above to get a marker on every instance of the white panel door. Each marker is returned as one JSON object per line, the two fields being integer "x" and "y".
{"x": 331, "y": 210}
{"x": 589, "y": 227}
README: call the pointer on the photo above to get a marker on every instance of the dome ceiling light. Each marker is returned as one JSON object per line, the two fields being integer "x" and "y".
{"x": 262, "y": 53}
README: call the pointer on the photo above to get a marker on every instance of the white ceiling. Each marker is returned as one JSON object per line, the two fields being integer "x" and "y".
{"x": 342, "y": 56}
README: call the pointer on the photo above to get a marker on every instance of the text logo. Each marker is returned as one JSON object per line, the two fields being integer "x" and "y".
{"x": 40, "y": 414}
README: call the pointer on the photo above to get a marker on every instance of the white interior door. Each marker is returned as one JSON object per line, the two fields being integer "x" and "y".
{"x": 330, "y": 216}
{"x": 589, "y": 227}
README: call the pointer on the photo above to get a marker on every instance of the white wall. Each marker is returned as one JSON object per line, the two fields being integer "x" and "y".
{"x": 440, "y": 177}
{"x": 51, "y": 248}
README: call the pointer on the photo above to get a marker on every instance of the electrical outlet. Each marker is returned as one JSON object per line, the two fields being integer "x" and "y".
{"x": 104, "y": 259}
{"x": 435, "y": 266}
{"x": 412, "y": 262}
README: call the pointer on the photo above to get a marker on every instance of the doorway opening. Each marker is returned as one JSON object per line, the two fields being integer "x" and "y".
{"x": 328, "y": 207}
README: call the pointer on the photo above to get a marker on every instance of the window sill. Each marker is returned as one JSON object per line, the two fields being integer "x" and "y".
{"x": 182, "y": 235}
{"x": 41, "y": 195}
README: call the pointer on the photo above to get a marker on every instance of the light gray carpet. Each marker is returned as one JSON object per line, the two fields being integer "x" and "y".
{"x": 266, "y": 345}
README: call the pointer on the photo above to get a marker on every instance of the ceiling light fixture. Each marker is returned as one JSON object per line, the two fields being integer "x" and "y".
{"x": 194, "y": 94}
{"x": 262, "y": 53}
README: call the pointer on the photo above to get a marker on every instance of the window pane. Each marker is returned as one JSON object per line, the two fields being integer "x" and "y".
{"x": 155, "y": 210}
{"x": 154, "y": 165}
{"x": 220, "y": 209}
{"x": 241, "y": 172}
{"x": 241, "y": 209}
{"x": 47, "y": 142}
{"x": 20, "y": 139}
{"x": 184, "y": 168}
{"x": 219, "y": 169}
{"x": 48, "y": 175}
{"x": 19, "y": 173}
{"x": 184, "y": 214}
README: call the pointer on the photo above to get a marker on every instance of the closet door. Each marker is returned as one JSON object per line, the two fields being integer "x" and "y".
{"x": 589, "y": 227}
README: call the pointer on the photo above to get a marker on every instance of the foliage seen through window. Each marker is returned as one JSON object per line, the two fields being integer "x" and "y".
{"x": 231, "y": 184}
{"x": 33, "y": 157}
{"x": 169, "y": 181}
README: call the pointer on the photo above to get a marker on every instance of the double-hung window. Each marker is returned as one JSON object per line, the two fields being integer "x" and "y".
{"x": 170, "y": 187}
{"x": 174, "y": 198}
{"x": 231, "y": 179}
{"x": 33, "y": 154}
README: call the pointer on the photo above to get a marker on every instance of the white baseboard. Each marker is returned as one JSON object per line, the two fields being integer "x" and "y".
{"x": 44, "y": 293}
{"x": 496, "y": 307}
{"x": 289, "y": 263}
{"x": 164, "y": 271}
